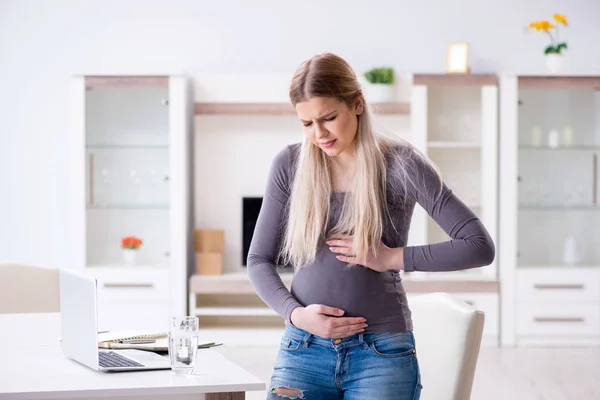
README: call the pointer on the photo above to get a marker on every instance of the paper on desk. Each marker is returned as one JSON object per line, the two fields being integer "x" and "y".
{"x": 158, "y": 345}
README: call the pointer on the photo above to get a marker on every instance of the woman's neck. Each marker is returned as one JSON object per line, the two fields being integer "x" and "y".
{"x": 346, "y": 160}
{"x": 343, "y": 172}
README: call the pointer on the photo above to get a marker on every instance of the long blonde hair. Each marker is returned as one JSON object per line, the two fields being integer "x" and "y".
{"x": 364, "y": 207}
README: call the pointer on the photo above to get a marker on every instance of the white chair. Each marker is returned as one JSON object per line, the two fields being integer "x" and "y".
{"x": 28, "y": 289}
{"x": 448, "y": 338}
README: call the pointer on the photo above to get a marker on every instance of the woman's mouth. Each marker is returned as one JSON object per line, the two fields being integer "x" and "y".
{"x": 328, "y": 143}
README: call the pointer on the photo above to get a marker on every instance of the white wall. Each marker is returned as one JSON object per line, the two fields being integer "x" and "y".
{"x": 42, "y": 42}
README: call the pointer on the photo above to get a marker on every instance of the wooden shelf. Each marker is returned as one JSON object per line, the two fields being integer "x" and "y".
{"x": 559, "y": 82}
{"x": 235, "y": 311}
{"x": 102, "y": 82}
{"x": 238, "y": 283}
{"x": 206, "y": 108}
{"x": 455, "y": 79}
{"x": 453, "y": 145}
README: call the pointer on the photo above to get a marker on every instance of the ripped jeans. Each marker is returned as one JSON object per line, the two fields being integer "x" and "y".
{"x": 380, "y": 366}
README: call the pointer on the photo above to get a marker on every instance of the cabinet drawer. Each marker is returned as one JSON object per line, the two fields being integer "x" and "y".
{"x": 558, "y": 285}
{"x": 131, "y": 283}
{"x": 563, "y": 319}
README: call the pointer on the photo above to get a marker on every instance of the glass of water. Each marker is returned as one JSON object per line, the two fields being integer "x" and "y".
{"x": 183, "y": 344}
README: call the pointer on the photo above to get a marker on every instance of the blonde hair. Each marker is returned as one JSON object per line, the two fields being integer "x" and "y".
{"x": 364, "y": 206}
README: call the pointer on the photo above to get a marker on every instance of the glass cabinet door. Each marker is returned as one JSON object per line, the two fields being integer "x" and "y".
{"x": 127, "y": 174}
{"x": 559, "y": 144}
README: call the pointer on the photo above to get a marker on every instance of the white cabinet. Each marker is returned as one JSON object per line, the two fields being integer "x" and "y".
{"x": 549, "y": 215}
{"x": 454, "y": 121}
{"x": 129, "y": 177}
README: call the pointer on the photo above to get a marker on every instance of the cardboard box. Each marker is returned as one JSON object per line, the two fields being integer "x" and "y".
{"x": 209, "y": 240}
{"x": 209, "y": 263}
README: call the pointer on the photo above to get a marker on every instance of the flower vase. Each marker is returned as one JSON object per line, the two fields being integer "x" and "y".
{"x": 555, "y": 62}
{"x": 129, "y": 256}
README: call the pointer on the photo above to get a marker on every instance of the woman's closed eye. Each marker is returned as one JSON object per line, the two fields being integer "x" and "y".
{"x": 307, "y": 124}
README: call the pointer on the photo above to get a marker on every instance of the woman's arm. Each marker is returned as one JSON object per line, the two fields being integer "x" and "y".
{"x": 262, "y": 255}
{"x": 470, "y": 245}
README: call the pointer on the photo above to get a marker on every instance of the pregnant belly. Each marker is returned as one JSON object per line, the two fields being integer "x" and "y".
{"x": 359, "y": 291}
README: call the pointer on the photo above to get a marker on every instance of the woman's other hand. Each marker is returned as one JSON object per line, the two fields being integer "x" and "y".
{"x": 387, "y": 258}
{"x": 326, "y": 321}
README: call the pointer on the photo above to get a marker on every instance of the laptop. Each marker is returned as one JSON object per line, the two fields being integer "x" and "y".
{"x": 79, "y": 330}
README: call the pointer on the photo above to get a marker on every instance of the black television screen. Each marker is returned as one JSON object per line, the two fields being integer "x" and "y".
{"x": 250, "y": 210}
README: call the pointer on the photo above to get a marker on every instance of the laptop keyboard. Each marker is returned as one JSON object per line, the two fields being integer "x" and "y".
{"x": 110, "y": 359}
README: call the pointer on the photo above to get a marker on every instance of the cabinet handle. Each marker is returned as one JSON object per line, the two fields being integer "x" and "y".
{"x": 559, "y": 286}
{"x": 128, "y": 285}
{"x": 559, "y": 319}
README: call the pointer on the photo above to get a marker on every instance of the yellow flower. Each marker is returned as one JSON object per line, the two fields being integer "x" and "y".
{"x": 542, "y": 25}
{"x": 560, "y": 18}
{"x": 546, "y": 26}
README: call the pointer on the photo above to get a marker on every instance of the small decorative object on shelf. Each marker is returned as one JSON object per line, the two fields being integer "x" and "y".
{"x": 380, "y": 86}
{"x": 554, "y": 51}
{"x": 553, "y": 139}
{"x": 209, "y": 245}
{"x": 131, "y": 246}
{"x": 457, "y": 59}
{"x": 572, "y": 251}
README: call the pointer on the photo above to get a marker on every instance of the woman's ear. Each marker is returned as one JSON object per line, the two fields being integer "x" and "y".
{"x": 359, "y": 107}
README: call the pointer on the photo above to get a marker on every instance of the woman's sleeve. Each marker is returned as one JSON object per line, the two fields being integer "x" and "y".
{"x": 263, "y": 251}
{"x": 470, "y": 244}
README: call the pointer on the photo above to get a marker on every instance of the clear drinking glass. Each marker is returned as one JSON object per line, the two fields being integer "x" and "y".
{"x": 183, "y": 344}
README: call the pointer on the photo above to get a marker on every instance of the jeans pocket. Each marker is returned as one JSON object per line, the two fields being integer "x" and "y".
{"x": 289, "y": 344}
{"x": 393, "y": 346}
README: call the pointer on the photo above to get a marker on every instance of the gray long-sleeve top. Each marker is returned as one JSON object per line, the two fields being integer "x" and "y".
{"x": 360, "y": 291}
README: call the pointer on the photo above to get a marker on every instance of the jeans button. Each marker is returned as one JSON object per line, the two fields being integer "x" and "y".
{"x": 337, "y": 341}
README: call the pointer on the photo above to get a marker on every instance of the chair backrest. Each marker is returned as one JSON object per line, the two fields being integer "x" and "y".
{"x": 28, "y": 289}
{"x": 448, "y": 338}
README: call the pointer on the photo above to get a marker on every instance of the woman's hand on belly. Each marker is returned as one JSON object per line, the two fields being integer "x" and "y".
{"x": 326, "y": 321}
{"x": 387, "y": 258}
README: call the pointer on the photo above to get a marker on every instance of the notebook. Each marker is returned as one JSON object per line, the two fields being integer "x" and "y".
{"x": 151, "y": 341}
{"x": 125, "y": 336}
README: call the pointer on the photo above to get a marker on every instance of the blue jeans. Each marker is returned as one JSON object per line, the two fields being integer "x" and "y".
{"x": 380, "y": 366}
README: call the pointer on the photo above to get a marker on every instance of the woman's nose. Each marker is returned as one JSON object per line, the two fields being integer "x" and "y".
{"x": 320, "y": 131}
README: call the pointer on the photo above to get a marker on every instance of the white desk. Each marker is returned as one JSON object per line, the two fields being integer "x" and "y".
{"x": 32, "y": 366}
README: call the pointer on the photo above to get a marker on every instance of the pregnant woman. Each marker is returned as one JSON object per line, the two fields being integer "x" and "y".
{"x": 338, "y": 207}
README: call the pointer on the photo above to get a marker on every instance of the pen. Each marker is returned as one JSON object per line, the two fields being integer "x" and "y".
{"x": 138, "y": 341}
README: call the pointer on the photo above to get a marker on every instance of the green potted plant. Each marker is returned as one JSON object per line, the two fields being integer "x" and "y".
{"x": 380, "y": 86}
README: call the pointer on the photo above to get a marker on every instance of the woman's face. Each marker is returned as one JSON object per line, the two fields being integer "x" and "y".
{"x": 329, "y": 123}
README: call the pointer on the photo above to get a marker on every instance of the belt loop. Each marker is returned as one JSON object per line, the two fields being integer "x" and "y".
{"x": 307, "y": 339}
{"x": 361, "y": 338}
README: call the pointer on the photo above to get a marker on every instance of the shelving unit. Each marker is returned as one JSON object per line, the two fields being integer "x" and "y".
{"x": 455, "y": 124}
{"x": 129, "y": 168}
{"x": 454, "y": 121}
{"x": 549, "y": 210}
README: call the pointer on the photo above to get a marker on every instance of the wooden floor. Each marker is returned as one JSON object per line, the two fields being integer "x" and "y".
{"x": 502, "y": 374}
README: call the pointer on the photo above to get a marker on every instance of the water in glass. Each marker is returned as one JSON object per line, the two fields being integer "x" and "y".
{"x": 183, "y": 344}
